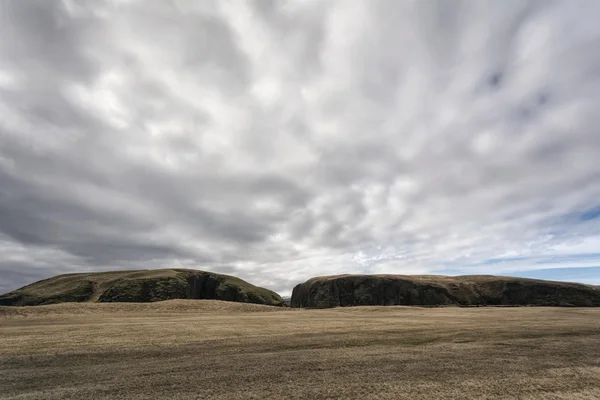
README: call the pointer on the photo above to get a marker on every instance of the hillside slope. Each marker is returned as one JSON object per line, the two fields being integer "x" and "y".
{"x": 431, "y": 290}
{"x": 139, "y": 286}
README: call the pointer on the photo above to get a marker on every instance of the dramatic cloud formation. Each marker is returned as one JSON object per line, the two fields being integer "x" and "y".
{"x": 279, "y": 140}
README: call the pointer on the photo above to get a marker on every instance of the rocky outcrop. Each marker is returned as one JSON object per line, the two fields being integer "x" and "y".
{"x": 429, "y": 290}
{"x": 140, "y": 286}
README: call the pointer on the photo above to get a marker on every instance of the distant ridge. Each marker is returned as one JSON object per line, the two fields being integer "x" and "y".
{"x": 140, "y": 286}
{"x": 433, "y": 290}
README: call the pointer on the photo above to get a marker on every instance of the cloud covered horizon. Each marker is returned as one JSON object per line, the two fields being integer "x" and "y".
{"x": 281, "y": 140}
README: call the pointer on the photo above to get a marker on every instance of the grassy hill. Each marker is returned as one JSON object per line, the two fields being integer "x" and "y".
{"x": 140, "y": 286}
{"x": 432, "y": 290}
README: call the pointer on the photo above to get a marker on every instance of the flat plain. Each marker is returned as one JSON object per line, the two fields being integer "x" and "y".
{"x": 202, "y": 349}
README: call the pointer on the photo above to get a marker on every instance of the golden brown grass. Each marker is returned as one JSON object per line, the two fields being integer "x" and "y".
{"x": 216, "y": 350}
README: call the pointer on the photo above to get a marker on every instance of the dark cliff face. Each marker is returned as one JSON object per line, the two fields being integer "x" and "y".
{"x": 140, "y": 286}
{"x": 384, "y": 290}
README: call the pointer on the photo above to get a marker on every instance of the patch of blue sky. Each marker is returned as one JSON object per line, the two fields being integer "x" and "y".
{"x": 589, "y": 275}
{"x": 460, "y": 266}
{"x": 500, "y": 260}
{"x": 569, "y": 258}
{"x": 517, "y": 265}
{"x": 590, "y": 214}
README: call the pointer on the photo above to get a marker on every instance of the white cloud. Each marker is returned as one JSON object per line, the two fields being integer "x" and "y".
{"x": 283, "y": 140}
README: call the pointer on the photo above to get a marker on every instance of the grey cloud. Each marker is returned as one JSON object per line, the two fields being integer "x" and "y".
{"x": 279, "y": 140}
{"x": 19, "y": 274}
{"x": 53, "y": 50}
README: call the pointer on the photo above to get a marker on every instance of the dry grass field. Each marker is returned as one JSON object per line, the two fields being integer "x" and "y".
{"x": 194, "y": 349}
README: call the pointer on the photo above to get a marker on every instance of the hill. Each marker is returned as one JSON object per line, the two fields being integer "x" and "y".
{"x": 139, "y": 286}
{"x": 432, "y": 290}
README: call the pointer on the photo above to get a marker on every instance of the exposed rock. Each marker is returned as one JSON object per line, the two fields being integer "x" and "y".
{"x": 140, "y": 286}
{"x": 430, "y": 290}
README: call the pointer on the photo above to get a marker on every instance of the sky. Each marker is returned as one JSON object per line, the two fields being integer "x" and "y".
{"x": 281, "y": 140}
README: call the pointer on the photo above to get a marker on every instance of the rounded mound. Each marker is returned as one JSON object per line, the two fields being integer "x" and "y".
{"x": 139, "y": 287}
